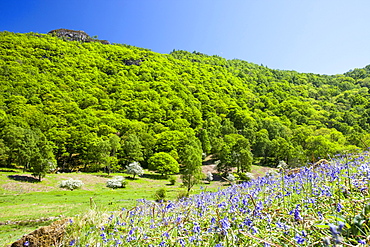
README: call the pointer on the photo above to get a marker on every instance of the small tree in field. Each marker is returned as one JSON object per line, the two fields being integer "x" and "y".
{"x": 135, "y": 169}
{"x": 163, "y": 163}
{"x": 191, "y": 157}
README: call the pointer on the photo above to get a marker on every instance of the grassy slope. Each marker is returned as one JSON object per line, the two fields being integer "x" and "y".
{"x": 26, "y": 202}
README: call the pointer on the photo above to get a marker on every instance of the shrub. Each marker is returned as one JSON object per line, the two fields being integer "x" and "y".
{"x": 182, "y": 194}
{"x": 160, "y": 195}
{"x": 209, "y": 177}
{"x": 231, "y": 178}
{"x": 172, "y": 180}
{"x": 247, "y": 176}
{"x": 135, "y": 169}
{"x": 71, "y": 184}
{"x": 116, "y": 182}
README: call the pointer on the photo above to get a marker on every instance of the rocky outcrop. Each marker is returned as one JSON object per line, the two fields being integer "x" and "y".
{"x": 73, "y": 35}
{"x": 45, "y": 236}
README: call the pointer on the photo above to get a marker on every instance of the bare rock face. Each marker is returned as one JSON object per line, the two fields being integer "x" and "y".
{"x": 45, "y": 236}
{"x": 70, "y": 34}
{"x": 73, "y": 35}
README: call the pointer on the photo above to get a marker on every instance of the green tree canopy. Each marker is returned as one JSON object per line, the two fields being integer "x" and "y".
{"x": 163, "y": 163}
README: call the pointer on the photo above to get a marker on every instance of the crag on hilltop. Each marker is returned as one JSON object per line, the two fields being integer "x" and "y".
{"x": 73, "y": 35}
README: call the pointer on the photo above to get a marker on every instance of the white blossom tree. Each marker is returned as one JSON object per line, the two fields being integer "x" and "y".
{"x": 134, "y": 168}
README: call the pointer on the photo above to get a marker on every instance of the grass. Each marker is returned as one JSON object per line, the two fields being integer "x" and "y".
{"x": 26, "y": 204}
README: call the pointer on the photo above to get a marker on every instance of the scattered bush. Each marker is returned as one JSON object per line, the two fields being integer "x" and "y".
{"x": 116, "y": 182}
{"x": 209, "y": 177}
{"x": 247, "y": 176}
{"x": 135, "y": 169}
{"x": 172, "y": 180}
{"x": 160, "y": 195}
{"x": 231, "y": 178}
{"x": 182, "y": 194}
{"x": 71, "y": 184}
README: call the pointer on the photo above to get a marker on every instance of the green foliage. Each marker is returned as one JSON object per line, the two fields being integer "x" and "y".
{"x": 101, "y": 107}
{"x": 172, "y": 180}
{"x": 160, "y": 195}
{"x": 191, "y": 159}
{"x": 163, "y": 163}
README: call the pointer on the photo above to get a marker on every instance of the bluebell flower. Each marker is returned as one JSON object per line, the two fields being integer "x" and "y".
{"x": 225, "y": 224}
{"x": 213, "y": 220}
{"x": 335, "y": 231}
{"x": 165, "y": 234}
{"x": 296, "y": 213}
{"x": 196, "y": 228}
{"x": 339, "y": 207}
{"x": 72, "y": 242}
{"x": 182, "y": 242}
{"x": 219, "y": 245}
{"x": 299, "y": 239}
{"x": 254, "y": 230}
{"x": 362, "y": 241}
{"x": 192, "y": 238}
{"x": 247, "y": 222}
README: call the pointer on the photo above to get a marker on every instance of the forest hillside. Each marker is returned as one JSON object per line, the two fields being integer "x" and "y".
{"x": 93, "y": 106}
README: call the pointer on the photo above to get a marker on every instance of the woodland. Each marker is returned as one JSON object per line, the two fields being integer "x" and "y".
{"x": 70, "y": 105}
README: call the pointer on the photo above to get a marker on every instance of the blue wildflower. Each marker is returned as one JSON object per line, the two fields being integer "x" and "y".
{"x": 213, "y": 220}
{"x": 362, "y": 241}
{"x": 335, "y": 232}
{"x": 299, "y": 239}
{"x": 196, "y": 228}
{"x": 225, "y": 223}
{"x": 254, "y": 230}
{"x": 71, "y": 243}
{"x": 296, "y": 212}
{"x": 192, "y": 238}
{"x": 26, "y": 243}
{"x": 182, "y": 242}
{"x": 339, "y": 207}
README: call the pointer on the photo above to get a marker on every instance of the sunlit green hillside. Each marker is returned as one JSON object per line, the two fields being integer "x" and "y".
{"x": 66, "y": 102}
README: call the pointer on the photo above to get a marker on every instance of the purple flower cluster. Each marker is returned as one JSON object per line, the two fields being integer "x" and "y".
{"x": 303, "y": 211}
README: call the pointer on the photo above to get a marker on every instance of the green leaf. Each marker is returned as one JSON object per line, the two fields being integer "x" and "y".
{"x": 322, "y": 226}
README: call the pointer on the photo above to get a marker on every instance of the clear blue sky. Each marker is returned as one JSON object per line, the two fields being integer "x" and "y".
{"x": 318, "y": 36}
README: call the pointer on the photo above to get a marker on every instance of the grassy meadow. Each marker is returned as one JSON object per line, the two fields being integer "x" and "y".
{"x": 27, "y": 204}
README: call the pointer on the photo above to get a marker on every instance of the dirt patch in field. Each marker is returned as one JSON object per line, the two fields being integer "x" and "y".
{"x": 26, "y": 183}
{"x": 20, "y": 187}
{"x": 257, "y": 171}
